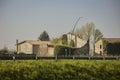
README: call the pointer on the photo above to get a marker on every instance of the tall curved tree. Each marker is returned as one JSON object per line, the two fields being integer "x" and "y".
{"x": 85, "y": 31}
{"x": 90, "y": 34}
{"x": 44, "y": 36}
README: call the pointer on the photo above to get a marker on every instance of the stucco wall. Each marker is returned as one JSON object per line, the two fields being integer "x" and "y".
{"x": 99, "y": 47}
{"x": 25, "y": 48}
{"x": 50, "y": 51}
{"x": 70, "y": 37}
{"x": 79, "y": 42}
{"x": 36, "y": 49}
{"x": 43, "y": 49}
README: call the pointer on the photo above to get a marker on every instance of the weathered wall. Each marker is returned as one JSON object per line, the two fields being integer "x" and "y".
{"x": 43, "y": 50}
{"x": 79, "y": 42}
{"x": 36, "y": 50}
{"x": 99, "y": 47}
{"x": 50, "y": 51}
{"x": 25, "y": 48}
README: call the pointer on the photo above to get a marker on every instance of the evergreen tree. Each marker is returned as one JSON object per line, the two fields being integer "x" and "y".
{"x": 44, "y": 36}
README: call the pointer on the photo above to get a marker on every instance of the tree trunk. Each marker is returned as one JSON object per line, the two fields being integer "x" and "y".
{"x": 88, "y": 46}
{"x": 94, "y": 47}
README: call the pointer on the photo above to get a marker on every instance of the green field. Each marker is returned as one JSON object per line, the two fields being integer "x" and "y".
{"x": 60, "y": 70}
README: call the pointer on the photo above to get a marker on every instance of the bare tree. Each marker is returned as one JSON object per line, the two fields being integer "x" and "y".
{"x": 85, "y": 31}
{"x": 90, "y": 34}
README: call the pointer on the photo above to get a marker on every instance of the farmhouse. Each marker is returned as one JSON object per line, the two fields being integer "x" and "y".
{"x": 102, "y": 46}
{"x": 46, "y": 49}
{"x": 40, "y": 48}
{"x": 83, "y": 45}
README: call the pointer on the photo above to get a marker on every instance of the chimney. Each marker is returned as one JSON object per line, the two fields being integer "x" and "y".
{"x": 17, "y": 45}
{"x": 75, "y": 40}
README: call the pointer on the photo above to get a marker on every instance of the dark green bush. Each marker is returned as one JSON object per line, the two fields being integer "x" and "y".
{"x": 113, "y": 48}
{"x": 61, "y": 50}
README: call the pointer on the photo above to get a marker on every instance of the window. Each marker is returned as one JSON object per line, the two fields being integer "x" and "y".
{"x": 100, "y": 46}
{"x": 100, "y": 52}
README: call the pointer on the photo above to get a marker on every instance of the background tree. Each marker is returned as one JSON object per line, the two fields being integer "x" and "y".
{"x": 85, "y": 31}
{"x": 56, "y": 41}
{"x": 64, "y": 39}
{"x": 113, "y": 48}
{"x": 4, "y": 50}
{"x": 44, "y": 36}
{"x": 97, "y": 35}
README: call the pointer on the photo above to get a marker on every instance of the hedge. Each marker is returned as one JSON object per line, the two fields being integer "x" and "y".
{"x": 113, "y": 48}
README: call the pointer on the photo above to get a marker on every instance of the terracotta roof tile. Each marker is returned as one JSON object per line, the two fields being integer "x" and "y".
{"x": 112, "y": 40}
{"x": 35, "y": 42}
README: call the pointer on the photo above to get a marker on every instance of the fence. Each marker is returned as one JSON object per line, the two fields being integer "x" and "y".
{"x": 34, "y": 57}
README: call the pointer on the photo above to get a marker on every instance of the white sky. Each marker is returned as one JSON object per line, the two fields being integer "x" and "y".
{"x": 26, "y": 19}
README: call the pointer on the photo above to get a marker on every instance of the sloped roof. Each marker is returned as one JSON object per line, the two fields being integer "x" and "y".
{"x": 112, "y": 40}
{"x": 35, "y": 42}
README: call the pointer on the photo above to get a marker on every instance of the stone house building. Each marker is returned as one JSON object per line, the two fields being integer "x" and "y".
{"x": 82, "y": 44}
{"x": 99, "y": 46}
{"x": 40, "y": 48}
{"x": 46, "y": 49}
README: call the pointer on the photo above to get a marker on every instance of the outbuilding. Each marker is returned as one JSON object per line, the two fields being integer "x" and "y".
{"x": 40, "y": 48}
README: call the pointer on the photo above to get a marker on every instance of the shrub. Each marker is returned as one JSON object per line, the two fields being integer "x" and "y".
{"x": 113, "y": 48}
{"x": 62, "y": 50}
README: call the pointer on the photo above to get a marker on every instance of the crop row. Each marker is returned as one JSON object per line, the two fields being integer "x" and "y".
{"x": 60, "y": 70}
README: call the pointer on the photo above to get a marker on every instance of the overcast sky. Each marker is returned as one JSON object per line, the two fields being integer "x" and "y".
{"x": 26, "y": 19}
